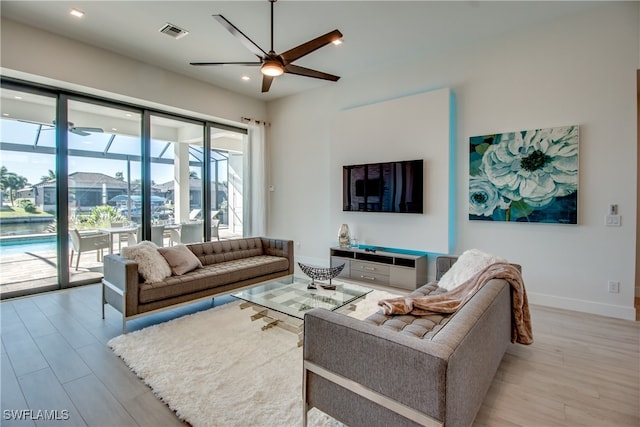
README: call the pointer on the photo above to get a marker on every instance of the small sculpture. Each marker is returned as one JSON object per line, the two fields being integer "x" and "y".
{"x": 344, "y": 237}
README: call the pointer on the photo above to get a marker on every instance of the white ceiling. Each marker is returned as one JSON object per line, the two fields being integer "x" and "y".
{"x": 376, "y": 33}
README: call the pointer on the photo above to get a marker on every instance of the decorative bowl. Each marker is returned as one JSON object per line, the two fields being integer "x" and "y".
{"x": 321, "y": 273}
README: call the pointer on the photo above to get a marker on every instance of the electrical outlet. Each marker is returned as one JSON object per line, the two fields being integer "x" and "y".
{"x": 614, "y": 287}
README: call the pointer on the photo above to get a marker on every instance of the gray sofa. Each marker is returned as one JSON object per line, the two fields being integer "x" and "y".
{"x": 407, "y": 370}
{"x": 228, "y": 265}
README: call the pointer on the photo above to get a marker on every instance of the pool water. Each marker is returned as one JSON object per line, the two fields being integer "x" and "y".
{"x": 20, "y": 245}
{"x": 32, "y": 248}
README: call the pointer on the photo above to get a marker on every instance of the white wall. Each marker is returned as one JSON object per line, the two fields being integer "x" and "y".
{"x": 416, "y": 128}
{"x": 36, "y": 55}
{"x": 578, "y": 70}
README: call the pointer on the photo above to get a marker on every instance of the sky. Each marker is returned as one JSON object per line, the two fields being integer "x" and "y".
{"x": 34, "y": 165}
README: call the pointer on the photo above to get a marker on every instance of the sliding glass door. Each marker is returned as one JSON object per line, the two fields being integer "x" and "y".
{"x": 177, "y": 168}
{"x": 227, "y": 182}
{"x": 28, "y": 257}
{"x": 82, "y": 177}
{"x": 104, "y": 184}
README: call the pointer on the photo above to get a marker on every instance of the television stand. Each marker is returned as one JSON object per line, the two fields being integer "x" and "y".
{"x": 398, "y": 268}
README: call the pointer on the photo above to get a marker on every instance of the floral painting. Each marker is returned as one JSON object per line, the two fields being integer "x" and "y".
{"x": 526, "y": 176}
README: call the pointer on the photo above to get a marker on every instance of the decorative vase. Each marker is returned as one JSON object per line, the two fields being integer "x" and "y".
{"x": 344, "y": 237}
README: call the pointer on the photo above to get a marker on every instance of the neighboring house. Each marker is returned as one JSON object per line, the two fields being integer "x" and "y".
{"x": 86, "y": 191}
{"x": 167, "y": 191}
{"x": 25, "y": 193}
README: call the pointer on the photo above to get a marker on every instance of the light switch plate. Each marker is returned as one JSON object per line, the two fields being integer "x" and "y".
{"x": 612, "y": 220}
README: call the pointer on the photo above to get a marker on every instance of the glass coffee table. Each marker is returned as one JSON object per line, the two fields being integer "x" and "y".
{"x": 284, "y": 301}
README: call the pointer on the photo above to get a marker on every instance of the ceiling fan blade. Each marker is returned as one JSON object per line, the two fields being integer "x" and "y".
{"x": 310, "y": 46}
{"x": 88, "y": 129}
{"x": 225, "y": 63}
{"x": 307, "y": 72}
{"x": 246, "y": 41}
{"x": 85, "y": 131}
{"x": 266, "y": 83}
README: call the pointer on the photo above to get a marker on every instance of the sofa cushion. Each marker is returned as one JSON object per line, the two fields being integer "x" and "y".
{"x": 211, "y": 276}
{"x": 227, "y": 250}
{"x": 467, "y": 265}
{"x": 151, "y": 265}
{"x": 180, "y": 259}
{"x": 423, "y": 327}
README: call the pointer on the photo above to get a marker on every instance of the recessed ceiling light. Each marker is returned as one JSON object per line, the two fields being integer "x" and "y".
{"x": 76, "y": 12}
{"x": 246, "y": 78}
{"x": 17, "y": 97}
{"x": 5, "y": 114}
{"x": 114, "y": 129}
{"x": 337, "y": 42}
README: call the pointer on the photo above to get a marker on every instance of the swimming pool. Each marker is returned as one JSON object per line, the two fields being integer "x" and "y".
{"x": 21, "y": 244}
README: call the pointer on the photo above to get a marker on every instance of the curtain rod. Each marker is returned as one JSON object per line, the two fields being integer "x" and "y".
{"x": 249, "y": 119}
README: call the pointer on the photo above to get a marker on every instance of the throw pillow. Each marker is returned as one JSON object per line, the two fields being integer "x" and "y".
{"x": 151, "y": 265}
{"x": 181, "y": 259}
{"x": 467, "y": 265}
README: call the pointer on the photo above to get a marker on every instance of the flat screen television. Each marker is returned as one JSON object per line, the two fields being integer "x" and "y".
{"x": 383, "y": 187}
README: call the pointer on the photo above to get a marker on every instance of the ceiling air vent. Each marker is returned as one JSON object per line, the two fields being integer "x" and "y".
{"x": 173, "y": 31}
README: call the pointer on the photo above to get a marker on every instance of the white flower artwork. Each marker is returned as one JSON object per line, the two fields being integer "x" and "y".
{"x": 526, "y": 176}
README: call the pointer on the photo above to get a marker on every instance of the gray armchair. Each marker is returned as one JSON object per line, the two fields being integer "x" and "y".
{"x": 94, "y": 241}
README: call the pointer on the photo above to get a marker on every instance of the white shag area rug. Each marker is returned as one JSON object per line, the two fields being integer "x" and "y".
{"x": 218, "y": 368}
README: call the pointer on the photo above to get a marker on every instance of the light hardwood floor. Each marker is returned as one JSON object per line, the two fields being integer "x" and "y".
{"x": 581, "y": 370}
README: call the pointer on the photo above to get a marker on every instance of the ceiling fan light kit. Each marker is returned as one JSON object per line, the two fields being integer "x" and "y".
{"x": 273, "y": 64}
{"x": 272, "y": 68}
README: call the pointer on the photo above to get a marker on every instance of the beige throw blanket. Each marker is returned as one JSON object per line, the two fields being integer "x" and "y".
{"x": 451, "y": 301}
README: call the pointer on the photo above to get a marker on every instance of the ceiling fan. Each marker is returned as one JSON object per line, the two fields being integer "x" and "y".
{"x": 273, "y": 64}
{"x": 80, "y": 130}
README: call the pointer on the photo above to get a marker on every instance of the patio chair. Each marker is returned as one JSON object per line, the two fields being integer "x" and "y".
{"x": 191, "y": 233}
{"x": 95, "y": 241}
{"x": 121, "y": 236}
{"x": 157, "y": 235}
{"x": 215, "y": 223}
{"x": 134, "y": 238}
{"x": 194, "y": 214}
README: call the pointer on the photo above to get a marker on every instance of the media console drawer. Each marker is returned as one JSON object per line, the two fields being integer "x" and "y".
{"x": 364, "y": 276}
{"x": 360, "y": 267}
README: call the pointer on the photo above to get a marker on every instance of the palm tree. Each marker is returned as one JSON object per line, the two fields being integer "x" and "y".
{"x": 3, "y": 175}
{"x": 11, "y": 182}
{"x": 50, "y": 177}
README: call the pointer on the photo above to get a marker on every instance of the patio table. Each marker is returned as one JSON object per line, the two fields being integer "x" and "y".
{"x": 118, "y": 230}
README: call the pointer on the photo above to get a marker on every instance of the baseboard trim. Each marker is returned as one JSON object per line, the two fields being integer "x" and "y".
{"x": 609, "y": 310}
